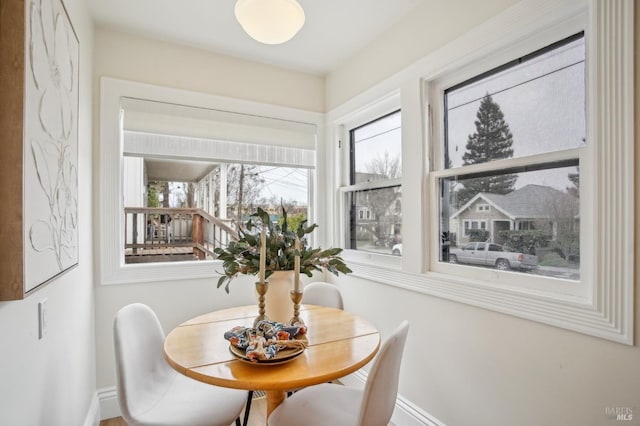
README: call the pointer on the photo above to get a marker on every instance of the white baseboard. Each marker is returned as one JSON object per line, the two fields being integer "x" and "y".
{"x": 93, "y": 415}
{"x": 109, "y": 407}
{"x": 406, "y": 413}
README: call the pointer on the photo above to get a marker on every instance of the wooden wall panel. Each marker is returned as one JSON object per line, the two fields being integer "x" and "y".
{"x": 12, "y": 62}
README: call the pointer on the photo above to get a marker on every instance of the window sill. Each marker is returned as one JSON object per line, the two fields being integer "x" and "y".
{"x": 387, "y": 261}
{"x": 157, "y": 272}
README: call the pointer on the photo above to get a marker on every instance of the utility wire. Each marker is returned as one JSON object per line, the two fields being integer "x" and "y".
{"x": 519, "y": 84}
{"x": 378, "y": 134}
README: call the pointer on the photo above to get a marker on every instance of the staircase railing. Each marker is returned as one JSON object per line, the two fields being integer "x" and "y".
{"x": 154, "y": 229}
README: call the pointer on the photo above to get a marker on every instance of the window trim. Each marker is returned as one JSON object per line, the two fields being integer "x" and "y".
{"x": 589, "y": 292}
{"x": 111, "y": 267}
{"x": 607, "y": 309}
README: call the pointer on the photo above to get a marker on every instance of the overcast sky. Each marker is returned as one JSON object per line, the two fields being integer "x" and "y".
{"x": 543, "y": 102}
{"x": 287, "y": 183}
{"x": 374, "y": 139}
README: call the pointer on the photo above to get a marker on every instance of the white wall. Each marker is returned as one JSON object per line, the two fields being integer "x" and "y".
{"x": 469, "y": 366}
{"x": 134, "y": 58}
{"x": 428, "y": 27}
{"x": 52, "y": 381}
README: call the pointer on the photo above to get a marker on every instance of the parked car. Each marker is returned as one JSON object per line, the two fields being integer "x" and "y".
{"x": 489, "y": 254}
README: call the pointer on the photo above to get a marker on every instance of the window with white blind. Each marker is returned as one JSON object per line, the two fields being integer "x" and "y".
{"x": 186, "y": 170}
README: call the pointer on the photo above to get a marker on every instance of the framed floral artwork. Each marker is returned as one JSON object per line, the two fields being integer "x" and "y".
{"x": 40, "y": 128}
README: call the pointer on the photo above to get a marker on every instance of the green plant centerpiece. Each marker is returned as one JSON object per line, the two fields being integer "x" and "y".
{"x": 243, "y": 255}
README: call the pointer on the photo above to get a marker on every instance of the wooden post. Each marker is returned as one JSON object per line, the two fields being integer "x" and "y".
{"x": 197, "y": 236}
{"x": 134, "y": 232}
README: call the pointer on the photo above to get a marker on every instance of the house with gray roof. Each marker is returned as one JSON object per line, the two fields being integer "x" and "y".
{"x": 532, "y": 207}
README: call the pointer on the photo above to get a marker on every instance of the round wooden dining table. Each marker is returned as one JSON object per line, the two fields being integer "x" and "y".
{"x": 339, "y": 343}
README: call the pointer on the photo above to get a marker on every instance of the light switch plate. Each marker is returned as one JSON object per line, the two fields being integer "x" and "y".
{"x": 42, "y": 318}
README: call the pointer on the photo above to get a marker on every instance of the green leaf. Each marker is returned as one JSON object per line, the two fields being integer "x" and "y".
{"x": 310, "y": 229}
{"x": 221, "y": 280}
{"x": 252, "y": 240}
{"x": 343, "y": 268}
{"x": 331, "y": 252}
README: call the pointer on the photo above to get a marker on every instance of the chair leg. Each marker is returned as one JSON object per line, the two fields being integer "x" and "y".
{"x": 247, "y": 408}
{"x": 238, "y": 421}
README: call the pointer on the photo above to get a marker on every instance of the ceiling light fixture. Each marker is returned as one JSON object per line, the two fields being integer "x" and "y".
{"x": 270, "y": 21}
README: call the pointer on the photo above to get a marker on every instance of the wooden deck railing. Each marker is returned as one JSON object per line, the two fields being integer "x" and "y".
{"x": 166, "y": 231}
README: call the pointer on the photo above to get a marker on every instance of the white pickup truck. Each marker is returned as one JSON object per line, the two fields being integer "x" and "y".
{"x": 489, "y": 254}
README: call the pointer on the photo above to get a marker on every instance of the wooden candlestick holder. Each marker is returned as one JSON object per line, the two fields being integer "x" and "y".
{"x": 261, "y": 288}
{"x": 296, "y": 298}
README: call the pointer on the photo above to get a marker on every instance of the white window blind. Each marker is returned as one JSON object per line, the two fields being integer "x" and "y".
{"x": 207, "y": 123}
{"x": 202, "y": 149}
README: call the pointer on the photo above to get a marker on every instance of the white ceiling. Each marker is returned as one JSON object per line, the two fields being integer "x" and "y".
{"x": 334, "y": 30}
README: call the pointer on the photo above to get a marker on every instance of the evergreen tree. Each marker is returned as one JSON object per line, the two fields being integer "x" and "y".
{"x": 491, "y": 141}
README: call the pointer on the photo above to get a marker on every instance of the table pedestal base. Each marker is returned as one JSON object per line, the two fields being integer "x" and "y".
{"x": 274, "y": 398}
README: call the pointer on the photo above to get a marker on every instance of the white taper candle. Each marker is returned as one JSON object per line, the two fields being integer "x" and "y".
{"x": 263, "y": 253}
{"x": 296, "y": 280}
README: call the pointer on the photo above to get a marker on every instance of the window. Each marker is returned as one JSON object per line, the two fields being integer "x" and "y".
{"x": 192, "y": 152}
{"x": 179, "y": 209}
{"x": 471, "y": 225}
{"x": 503, "y": 134}
{"x": 596, "y": 298}
{"x": 164, "y": 196}
{"x": 374, "y": 193}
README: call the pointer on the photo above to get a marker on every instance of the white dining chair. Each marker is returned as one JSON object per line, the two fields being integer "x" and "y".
{"x": 150, "y": 392}
{"x": 316, "y": 293}
{"x": 323, "y": 294}
{"x": 333, "y": 404}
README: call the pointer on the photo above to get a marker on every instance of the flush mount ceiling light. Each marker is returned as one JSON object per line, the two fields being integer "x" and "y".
{"x": 270, "y": 21}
